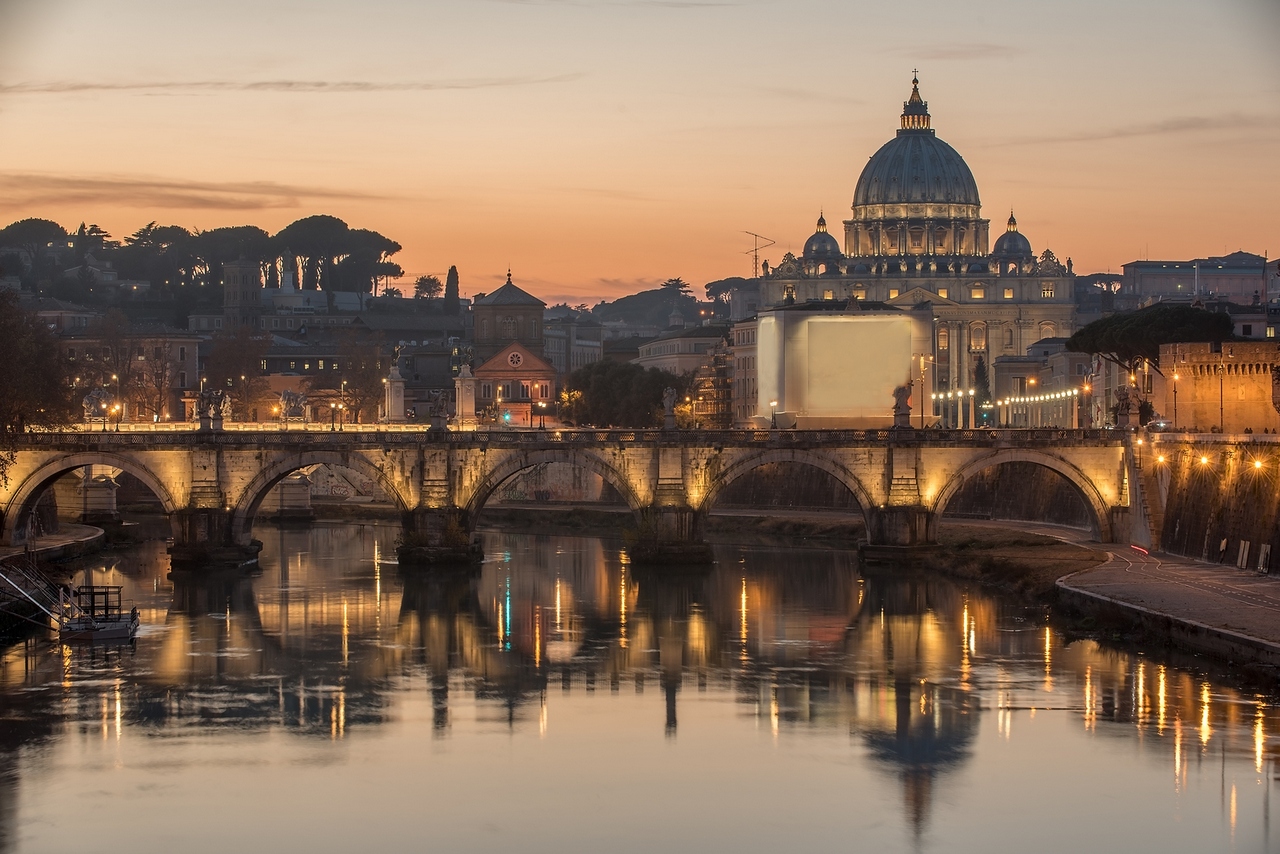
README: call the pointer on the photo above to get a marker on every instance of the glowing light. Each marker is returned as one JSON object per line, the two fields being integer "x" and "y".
{"x": 1204, "y": 461}
{"x": 1160, "y": 700}
{"x": 1259, "y": 740}
{"x": 1257, "y": 464}
{"x": 1205, "y": 729}
{"x": 1160, "y": 458}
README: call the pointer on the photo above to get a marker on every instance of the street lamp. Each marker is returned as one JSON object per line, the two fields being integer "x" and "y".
{"x": 104, "y": 417}
{"x": 1175, "y": 399}
{"x": 542, "y": 415}
{"x": 773, "y": 415}
{"x": 333, "y": 416}
{"x": 342, "y": 411}
{"x": 117, "y": 410}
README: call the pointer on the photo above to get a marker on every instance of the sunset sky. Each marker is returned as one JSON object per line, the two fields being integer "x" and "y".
{"x": 597, "y": 148}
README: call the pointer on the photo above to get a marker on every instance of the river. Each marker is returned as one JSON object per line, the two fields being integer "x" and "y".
{"x": 559, "y": 699}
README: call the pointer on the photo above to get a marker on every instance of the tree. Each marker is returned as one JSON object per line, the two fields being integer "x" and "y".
{"x": 357, "y": 384}
{"x": 982, "y": 384}
{"x": 427, "y": 287}
{"x": 719, "y": 290}
{"x": 677, "y": 284}
{"x": 234, "y": 365}
{"x": 35, "y": 379}
{"x": 452, "y": 304}
{"x": 1129, "y": 338}
{"x": 33, "y": 237}
{"x": 153, "y": 382}
{"x": 617, "y": 394}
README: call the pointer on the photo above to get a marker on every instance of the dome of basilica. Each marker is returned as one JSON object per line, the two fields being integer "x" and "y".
{"x": 821, "y": 244}
{"x": 1012, "y": 244}
{"x": 916, "y": 167}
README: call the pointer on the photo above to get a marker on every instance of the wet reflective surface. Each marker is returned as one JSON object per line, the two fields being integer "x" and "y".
{"x": 561, "y": 700}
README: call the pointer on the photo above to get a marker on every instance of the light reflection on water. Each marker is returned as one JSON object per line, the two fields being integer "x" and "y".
{"x": 561, "y": 699}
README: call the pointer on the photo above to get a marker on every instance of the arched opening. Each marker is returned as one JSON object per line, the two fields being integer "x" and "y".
{"x": 82, "y": 488}
{"x": 293, "y": 489}
{"x": 581, "y": 489}
{"x": 1018, "y": 488}
{"x": 793, "y": 489}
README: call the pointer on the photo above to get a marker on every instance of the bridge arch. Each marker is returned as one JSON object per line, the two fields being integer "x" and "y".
{"x": 516, "y": 463}
{"x": 820, "y": 461}
{"x": 250, "y": 498}
{"x": 18, "y": 511}
{"x": 1096, "y": 504}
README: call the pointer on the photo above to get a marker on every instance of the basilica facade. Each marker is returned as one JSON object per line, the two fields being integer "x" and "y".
{"x": 916, "y": 236}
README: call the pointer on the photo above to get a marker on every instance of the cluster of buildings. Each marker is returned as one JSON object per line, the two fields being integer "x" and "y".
{"x": 914, "y": 294}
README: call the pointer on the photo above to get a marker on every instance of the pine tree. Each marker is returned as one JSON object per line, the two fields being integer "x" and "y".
{"x": 451, "y": 304}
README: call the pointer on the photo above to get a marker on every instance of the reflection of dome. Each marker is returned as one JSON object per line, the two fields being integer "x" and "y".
{"x": 1012, "y": 244}
{"x": 821, "y": 244}
{"x": 916, "y": 167}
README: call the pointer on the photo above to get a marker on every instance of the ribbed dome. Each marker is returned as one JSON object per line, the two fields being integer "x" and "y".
{"x": 916, "y": 167}
{"x": 1012, "y": 244}
{"x": 821, "y": 244}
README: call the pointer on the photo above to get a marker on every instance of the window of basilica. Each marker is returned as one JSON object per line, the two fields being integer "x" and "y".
{"x": 1046, "y": 290}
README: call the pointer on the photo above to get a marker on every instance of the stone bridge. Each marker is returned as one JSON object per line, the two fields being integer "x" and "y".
{"x": 212, "y": 483}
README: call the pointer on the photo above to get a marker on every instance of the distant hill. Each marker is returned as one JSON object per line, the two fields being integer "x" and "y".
{"x": 648, "y": 308}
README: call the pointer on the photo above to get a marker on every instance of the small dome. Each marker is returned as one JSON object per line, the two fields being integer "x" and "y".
{"x": 821, "y": 245}
{"x": 1012, "y": 244}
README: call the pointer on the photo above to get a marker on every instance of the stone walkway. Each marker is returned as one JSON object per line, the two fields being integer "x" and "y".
{"x": 1214, "y": 596}
{"x": 52, "y": 544}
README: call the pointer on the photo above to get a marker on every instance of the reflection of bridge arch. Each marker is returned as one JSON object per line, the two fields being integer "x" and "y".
{"x": 822, "y": 462}
{"x": 1083, "y": 484}
{"x": 523, "y": 460}
{"x": 18, "y": 512}
{"x": 246, "y": 506}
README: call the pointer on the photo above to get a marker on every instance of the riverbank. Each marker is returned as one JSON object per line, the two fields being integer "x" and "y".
{"x": 71, "y": 541}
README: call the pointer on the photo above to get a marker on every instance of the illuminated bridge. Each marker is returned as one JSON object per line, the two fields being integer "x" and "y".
{"x": 211, "y": 483}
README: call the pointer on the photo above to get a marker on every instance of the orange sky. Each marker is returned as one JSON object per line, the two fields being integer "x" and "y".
{"x": 601, "y": 147}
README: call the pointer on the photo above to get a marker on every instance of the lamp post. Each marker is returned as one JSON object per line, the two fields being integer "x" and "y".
{"x": 275, "y": 412}
{"x": 1222, "y": 371}
{"x": 542, "y": 415}
{"x": 342, "y": 415}
{"x": 104, "y": 417}
{"x": 117, "y": 409}
{"x": 773, "y": 415}
{"x": 1175, "y": 400}
{"x": 333, "y": 415}
{"x": 924, "y": 357}
{"x": 116, "y": 378}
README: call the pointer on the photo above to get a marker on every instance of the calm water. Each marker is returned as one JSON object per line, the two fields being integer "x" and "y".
{"x": 560, "y": 700}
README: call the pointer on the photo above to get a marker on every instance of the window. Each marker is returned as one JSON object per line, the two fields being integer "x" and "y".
{"x": 1080, "y": 369}
{"x": 1271, "y": 332}
{"x": 155, "y": 353}
{"x": 944, "y": 339}
{"x": 71, "y": 351}
{"x": 1047, "y": 330}
{"x": 893, "y": 293}
{"x": 524, "y": 391}
{"x": 320, "y": 364}
{"x": 977, "y": 293}
{"x": 264, "y": 366}
{"x": 1046, "y": 290}
{"x": 860, "y": 294}
{"x": 486, "y": 390}
{"x": 978, "y": 336}
{"x": 1008, "y": 336}
{"x": 942, "y": 292}
{"x": 1247, "y": 330}
{"x": 1008, "y": 293}
{"x": 828, "y": 294}
{"x": 182, "y": 379}
{"x": 217, "y": 323}
{"x": 182, "y": 354}
{"x": 275, "y": 323}
{"x": 293, "y": 366}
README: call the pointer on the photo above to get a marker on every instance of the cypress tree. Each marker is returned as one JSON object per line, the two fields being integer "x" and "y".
{"x": 451, "y": 304}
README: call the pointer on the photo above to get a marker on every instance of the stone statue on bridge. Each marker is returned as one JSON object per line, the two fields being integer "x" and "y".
{"x": 96, "y": 404}
{"x": 1124, "y": 414}
{"x": 902, "y": 406}
{"x": 669, "y": 408}
{"x": 293, "y": 404}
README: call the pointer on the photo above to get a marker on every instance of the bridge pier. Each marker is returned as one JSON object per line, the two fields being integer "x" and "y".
{"x": 670, "y": 534}
{"x": 437, "y": 536}
{"x": 203, "y": 539}
{"x": 895, "y": 528}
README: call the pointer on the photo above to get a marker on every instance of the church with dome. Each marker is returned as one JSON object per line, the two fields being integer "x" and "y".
{"x": 916, "y": 239}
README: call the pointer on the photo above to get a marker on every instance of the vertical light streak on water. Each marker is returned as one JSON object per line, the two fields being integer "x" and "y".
{"x": 507, "y": 645}
{"x": 1259, "y": 740}
{"x": 1089, "y": 722}
{"x": 1048, "y": 660}
{"x": 1161, "y": 699}
{"x": 1205, "y": 730}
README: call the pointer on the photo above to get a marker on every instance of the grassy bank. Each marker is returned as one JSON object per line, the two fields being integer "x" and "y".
{"x": 1026, "y": 565}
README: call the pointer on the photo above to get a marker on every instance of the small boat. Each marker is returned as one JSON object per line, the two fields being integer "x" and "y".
{"x": 96, "y": 613}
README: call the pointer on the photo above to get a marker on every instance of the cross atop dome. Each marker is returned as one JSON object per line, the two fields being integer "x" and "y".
{"x": 915, "y": 110}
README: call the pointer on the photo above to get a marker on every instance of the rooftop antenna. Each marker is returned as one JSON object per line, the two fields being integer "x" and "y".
{"x": 754, "y": 251}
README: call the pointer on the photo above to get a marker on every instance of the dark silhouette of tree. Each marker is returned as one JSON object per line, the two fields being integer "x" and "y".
{"x": 982, "y": 384}
{"x": 33, "y": 237}
{"x": 1128, "y": 338}
{"x": 35, "y": 378}
{"x": 452, "y": 304}
{"x": 316, "y": 242}
{"x": 427, "y": 287}
{"x": 617, "y": 394}
{"x": 362, "y": 366}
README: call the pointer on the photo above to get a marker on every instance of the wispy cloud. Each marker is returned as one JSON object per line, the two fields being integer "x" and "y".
{"x": 960, "y": 52}
{"x": 1178, "y": 125}
{"x": 27, "y": 189}
{"x": 299, "y": 86}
